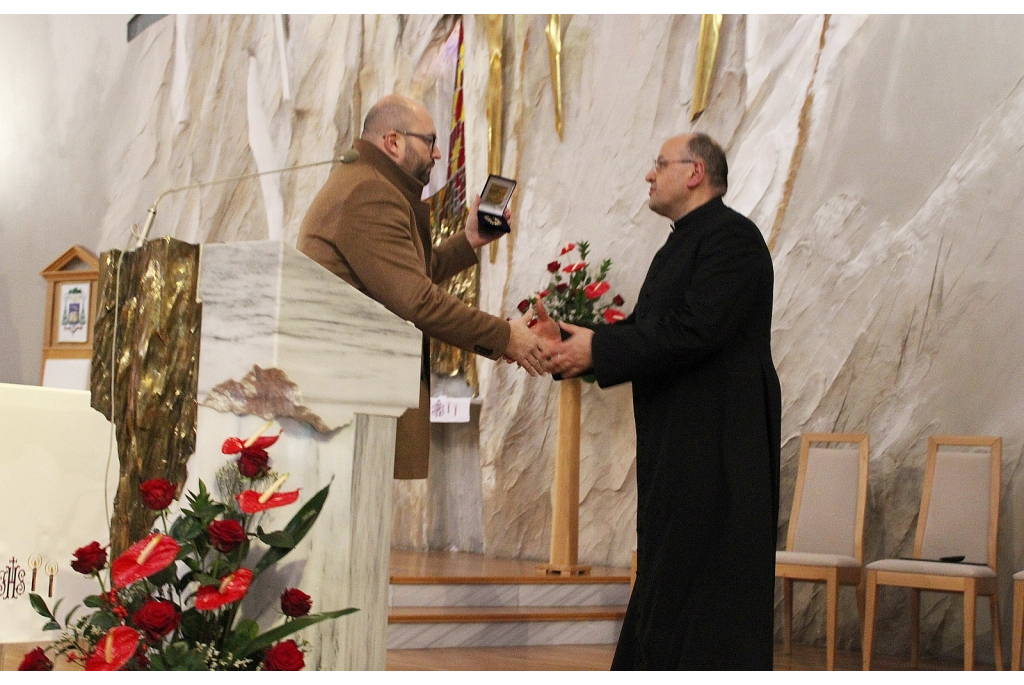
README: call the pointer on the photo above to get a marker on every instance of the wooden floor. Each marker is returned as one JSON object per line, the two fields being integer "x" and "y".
{"x": 462, "y": 567}
{"x": 599, "y": 658}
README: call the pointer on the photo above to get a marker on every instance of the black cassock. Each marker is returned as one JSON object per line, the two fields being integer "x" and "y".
{"x": 708, "y": 406}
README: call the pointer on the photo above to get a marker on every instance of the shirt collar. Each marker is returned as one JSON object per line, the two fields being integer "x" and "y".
{"x": 697, "y": 215}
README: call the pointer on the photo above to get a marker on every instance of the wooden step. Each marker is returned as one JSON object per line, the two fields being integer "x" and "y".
{"x": 503, "y": 614}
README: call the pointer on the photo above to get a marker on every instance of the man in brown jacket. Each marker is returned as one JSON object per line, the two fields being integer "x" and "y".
{"x": 369, "y": 226}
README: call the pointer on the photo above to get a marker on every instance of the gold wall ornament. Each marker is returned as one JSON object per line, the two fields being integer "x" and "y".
{"x": 495, "y": 26}
{"x": 554, "y": 34}
{"x": 152, "y": 296}
{"x": 707, "y": 49}
{"x": 448, "y": 213}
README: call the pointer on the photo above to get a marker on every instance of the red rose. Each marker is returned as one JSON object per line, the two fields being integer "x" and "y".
{"x": 284, "y": 656}
{"x": 157, "y": 618}
{"x": 295, "y": 602}
{"x": 157, "y": 494}
{"x": 36, "y": 660}
{"x": 561, "y": 287}
{"x": 523, "y": 306}
{"x": 89, "y": 559}
{"x": 618, "y": 301}
{"x": 553, "y": 266}
{"x": 226, "y": 535}
{"x": 596, "y": 290}
{"x": 253, "y": 462}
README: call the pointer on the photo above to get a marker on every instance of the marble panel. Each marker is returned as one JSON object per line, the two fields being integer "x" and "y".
{"x": 438, "y": 635}
{"x": 508, "y": 595}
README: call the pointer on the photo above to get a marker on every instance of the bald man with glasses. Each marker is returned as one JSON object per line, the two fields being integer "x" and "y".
{"x": 707, "y": 406}
{"x": 369, "y": 226}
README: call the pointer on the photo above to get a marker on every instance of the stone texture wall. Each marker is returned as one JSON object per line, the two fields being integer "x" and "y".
{"x": 880, "y": 156}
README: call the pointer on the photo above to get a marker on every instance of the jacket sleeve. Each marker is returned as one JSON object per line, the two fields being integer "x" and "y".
{"x": 378, "y": 245}
{"x": 728, "y": 272}
{"x": 453, "y": 255}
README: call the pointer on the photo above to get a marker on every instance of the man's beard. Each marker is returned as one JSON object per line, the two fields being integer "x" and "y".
{"x": 423, "y": 172}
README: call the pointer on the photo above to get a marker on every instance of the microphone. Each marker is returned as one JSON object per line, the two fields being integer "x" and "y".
{"x": 347, "y": 157}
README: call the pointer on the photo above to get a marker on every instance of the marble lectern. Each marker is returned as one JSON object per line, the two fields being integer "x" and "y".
{"x": 285, "y": 339}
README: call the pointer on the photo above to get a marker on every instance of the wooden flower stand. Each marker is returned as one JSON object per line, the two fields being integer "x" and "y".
{"x": 565, "y": 491}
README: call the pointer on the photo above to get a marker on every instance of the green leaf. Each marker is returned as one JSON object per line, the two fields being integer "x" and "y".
{"x": 271, "y": 636}
{"x": 166, "y": 576}
{"x": 157, "y": 663}
{"x": 278, "y": 538}
{"x": 103, "y": 620}
{"x": 196, "y": 627}
{"x": 297, "y": 528}
{"x": 205, "y": 579}
{"x": 248, "y": 628}
{"x": 67, "y": 619}
{"x": 51, "y": 625}
{"x": 39, "y": 605}
{"x": 186, "y": 529}
{"x": 93, "y": 602}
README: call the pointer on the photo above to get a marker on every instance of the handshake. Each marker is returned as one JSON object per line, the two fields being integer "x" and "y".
{"x": 536, "y": 345}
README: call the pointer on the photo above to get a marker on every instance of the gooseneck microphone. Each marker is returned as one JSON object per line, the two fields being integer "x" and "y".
{"x": 346, "y": 157}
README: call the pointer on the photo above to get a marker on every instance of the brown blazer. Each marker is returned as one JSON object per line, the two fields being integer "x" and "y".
{"x": 368, "y": 226}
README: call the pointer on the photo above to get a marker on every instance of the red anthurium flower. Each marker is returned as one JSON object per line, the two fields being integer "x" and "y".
{"x": 569, "y": 247}
{"x": 231, "y": 589}
{"x": 153, "y": 553}
{"x": 573, "y": 268}
{"x": 113, "y": 650}
{"x": 284, "y": 656}
{"x": 613, "y": 315}
{"x": 553, "y": 266}
{"x": 257, "y": 441}
{"x": 157, "y": 493}
{"x": 36, "y": 660}
{"x": 596, "y": 290}
{"x": 249, "y": 501}
{"x": 544, "y": 293}
{"x": 90, "y": 558}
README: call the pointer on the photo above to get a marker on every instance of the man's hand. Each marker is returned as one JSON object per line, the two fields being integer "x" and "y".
{"x": 525, "y": 347}
{"x": 573, "y": 357}
{"x": 544, "y": 326}
{"x": 477, "y": 239}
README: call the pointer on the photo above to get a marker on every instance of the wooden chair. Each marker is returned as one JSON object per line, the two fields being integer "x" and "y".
{"x": 959, "y": 517}
{"x": 826, "y": 526}
{"x": 1018, "y": 620}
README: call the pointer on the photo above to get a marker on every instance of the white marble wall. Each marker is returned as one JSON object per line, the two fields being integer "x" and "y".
{"x": 880, "y": 155}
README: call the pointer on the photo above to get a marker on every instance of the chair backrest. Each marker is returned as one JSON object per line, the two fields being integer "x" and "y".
{"x": 960, "y": 499}
{"x": 831, "y": 495}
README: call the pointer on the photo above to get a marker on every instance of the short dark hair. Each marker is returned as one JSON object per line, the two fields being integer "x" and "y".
{"x": 703, "y": 147}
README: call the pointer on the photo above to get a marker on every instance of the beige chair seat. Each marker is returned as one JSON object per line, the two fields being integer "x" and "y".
{"x": 1019, "y": 575}
{"x": 933, "y": 568}
{"x": 815, "y": 559}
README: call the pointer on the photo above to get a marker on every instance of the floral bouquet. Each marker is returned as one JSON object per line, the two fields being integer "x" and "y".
{"x": 573, "y": 295}
{"x": 171, "y": 601}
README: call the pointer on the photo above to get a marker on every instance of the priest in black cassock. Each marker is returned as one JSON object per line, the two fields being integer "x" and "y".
{"x": 707, "y": 405}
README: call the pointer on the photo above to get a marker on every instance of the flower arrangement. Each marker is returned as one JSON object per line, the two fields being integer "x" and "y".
{"x": 573, "y": 295}
{"x": 171, "y": 600}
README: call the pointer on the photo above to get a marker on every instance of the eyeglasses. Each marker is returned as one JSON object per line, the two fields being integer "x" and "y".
{"x": 428, "y": 138}
{"x": 660, "y": 163}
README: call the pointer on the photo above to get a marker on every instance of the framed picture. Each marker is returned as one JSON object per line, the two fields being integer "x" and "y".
{"x": 73, "y": 321}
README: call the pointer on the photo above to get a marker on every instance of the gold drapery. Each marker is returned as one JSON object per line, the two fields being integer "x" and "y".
{"x": 495, "y": 24}
{"x": 707, "y": 49}
{"x": 156, "y": 371}
{"x": 554, "y": 34}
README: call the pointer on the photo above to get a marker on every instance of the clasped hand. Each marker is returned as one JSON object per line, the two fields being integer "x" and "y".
{"x": 536, "y": 345}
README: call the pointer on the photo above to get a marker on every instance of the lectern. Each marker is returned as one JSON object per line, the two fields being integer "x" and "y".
{"x": 284, "y": 339}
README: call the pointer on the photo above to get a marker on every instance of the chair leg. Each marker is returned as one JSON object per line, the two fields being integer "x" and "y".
{"x": 860, "y": 601}
{"x": 915, "y": 627}
{"x": 870, "y": 597}
{"x": 787, "y": 610}
{"x": 970, "y": 613}
{"x": 1018, "y": 625}
{"x": 831, "y": 609}
{"x": 997, "y": 635}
